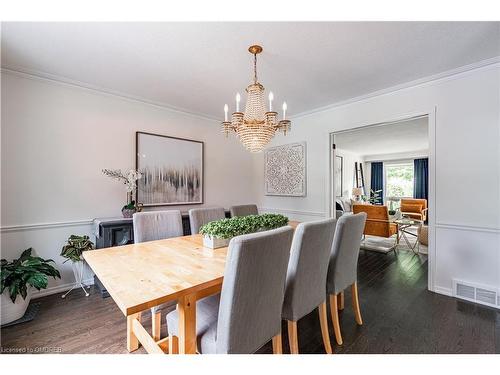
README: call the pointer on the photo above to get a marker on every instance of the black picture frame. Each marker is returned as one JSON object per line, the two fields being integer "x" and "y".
{"x": 140, "y": 192}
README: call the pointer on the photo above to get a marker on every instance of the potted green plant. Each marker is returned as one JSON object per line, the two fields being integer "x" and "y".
{"x": 73, "y": 250}
{"x": 130, "y": 181}
{"x": 129, "y": 210}
{"x": 218, "y": 233}
{"x": 17, "y": 280}
{"x": 374, "y": 197}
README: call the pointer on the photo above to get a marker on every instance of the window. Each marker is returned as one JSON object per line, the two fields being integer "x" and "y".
{"x": 399, "y": 180}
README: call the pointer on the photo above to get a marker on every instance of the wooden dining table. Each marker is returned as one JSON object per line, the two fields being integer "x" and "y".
{"x": 143, "y": 275}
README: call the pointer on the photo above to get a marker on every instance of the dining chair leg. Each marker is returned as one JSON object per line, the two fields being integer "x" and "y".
{"x": 323, "y": 322}
{"x": 173, "y": 345}
{"x": 355, "y": 303}
{"x": 277, "y": 344}
{"x": 335, "y": 318}
{"x": 156, "y": 325}
{"x": 340, "y": 300}
{"x": 292, "y": 337}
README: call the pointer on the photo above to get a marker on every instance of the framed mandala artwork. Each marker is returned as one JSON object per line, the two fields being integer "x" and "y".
{"x": 285, "y": 170}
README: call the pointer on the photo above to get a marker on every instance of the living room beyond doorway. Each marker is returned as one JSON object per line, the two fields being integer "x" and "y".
{"x": 383, "y": 170}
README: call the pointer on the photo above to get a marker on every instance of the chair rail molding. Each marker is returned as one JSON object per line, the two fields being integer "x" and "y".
{"x": 469, "y": 228}
{"x": 77, "y": 223}
{"x": 319, "y": 214}
{"x": 36, "y": 226}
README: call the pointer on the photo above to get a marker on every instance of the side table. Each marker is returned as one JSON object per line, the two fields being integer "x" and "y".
{"x": 403, "y": 232}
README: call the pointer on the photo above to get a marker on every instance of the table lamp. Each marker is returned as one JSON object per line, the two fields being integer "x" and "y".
{"x": 357, "y": 192}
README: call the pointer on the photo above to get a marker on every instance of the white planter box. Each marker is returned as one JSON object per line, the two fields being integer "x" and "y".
{"x": 215, "y": 243}
{"x": 13, "y": 311}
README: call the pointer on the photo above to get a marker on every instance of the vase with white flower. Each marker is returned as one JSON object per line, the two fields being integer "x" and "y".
{"x": 129, "y": 179}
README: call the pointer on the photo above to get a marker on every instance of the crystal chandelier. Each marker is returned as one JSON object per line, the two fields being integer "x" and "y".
{"x": 256, "y": 126}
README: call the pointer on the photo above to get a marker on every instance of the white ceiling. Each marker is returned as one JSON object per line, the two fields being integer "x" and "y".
{"x": 401, "y": 137}
{"x": 197, "y": 67}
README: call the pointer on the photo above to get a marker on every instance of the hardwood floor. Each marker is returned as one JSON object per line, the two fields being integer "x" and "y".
{"x": 399, "y": 315}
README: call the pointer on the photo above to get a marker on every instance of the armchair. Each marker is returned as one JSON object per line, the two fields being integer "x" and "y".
{"x": 377, "y": 221}
{"x": 414, "y": 208}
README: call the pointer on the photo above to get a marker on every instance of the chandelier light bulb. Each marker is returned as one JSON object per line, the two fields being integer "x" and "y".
{"x": 284, "y": 110}
{"x": 271, "y": 97}
{"x": 238, "y": 98}
{"x": 226, "y": 108}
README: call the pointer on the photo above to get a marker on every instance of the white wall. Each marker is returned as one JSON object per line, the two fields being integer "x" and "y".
{"x": 397, "y": 156}
{"x": 56, "y": 139}
{"x": 466, "y": 221}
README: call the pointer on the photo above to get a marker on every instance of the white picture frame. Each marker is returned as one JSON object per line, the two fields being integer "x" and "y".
{"x": 285, "y": 170}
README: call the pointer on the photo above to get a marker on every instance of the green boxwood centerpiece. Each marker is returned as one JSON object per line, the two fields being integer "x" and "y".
{"x": 225, "y": 229}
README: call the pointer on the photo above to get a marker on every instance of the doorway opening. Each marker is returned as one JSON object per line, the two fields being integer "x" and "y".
{"x": 386, "y": 170}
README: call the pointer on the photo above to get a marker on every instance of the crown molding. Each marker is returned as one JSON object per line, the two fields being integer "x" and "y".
{"x": 440, "y": 77}
{"x": 60, "y": 80}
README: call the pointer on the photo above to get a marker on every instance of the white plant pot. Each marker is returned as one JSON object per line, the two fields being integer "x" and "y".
{"x": 13, "y": 311}
{"x": 215, "y": 243}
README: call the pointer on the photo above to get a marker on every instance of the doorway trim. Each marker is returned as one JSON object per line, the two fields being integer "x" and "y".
{"x": 330, "y": 188}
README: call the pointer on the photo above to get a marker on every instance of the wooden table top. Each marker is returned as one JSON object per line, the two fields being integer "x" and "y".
{"x": 140, "y": 276}
{"x": 143, "y": 275}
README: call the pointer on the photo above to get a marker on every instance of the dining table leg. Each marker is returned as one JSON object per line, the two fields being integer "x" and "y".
{"x": 132, "y": 341}
{"x": 186, "y": 306}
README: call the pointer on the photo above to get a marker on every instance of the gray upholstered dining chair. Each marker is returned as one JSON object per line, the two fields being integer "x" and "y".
{"x": 342, "y": 270}
{"x": 157, "y": 225}
{"x": 201, "y": 216}
{"x": 152, "y": 226}
{"x": 306, "y": 278}
{"x": 243, "y": 210}
{"x": 247, "y": 312}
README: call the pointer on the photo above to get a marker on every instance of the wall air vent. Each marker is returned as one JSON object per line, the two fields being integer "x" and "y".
{"x": 482, "y": 294}
{"x": 486, "y": 296}
{"x": 465, "y": 291}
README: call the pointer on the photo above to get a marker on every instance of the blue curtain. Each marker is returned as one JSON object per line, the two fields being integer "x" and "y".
{"x": 377, "y": 179}
{"x": 421, "y": 178}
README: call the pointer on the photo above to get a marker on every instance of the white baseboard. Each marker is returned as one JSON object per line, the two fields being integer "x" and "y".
{"x": 59, "y": 289}
{"x": 445, "y": 291}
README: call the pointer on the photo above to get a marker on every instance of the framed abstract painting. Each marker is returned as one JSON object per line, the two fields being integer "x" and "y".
{"x": 171, "y": 168}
